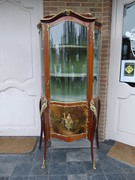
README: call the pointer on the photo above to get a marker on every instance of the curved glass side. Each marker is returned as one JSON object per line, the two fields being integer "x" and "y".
{"x": 95, "y": 62}
{"x": 68, "y": 62}
{"x": 42, "y": 66}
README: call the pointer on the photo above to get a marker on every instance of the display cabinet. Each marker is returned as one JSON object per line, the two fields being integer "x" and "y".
{"x": 69, "y": 53}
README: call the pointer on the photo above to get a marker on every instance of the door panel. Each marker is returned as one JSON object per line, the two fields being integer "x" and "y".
{"x": 125, "y": 120}
{"x": 121, "y": 96}
{"x": 19, "y": 67}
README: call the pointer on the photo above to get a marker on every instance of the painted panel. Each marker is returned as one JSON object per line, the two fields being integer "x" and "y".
{"x": 68, "y": 120}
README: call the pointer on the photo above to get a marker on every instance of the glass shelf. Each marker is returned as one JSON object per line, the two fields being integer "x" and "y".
{"x": 95, "y": 63}
{"x": 68, "y": 99}
{"x": 68, "y": 75}
{"x": 69, "y": 46}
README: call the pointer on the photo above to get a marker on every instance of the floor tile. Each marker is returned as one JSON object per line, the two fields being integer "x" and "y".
{"x": 96, "y": 177}
{"x": 19, "y": 178}
{"x": 90, "y": 170}
{"x": 77, "y": 177}
{"x": 79, "y": 155}
{"x": 104, "y": 148}
{"x": 39, "y": 157}
{"x": 110, "y": 166}
{"x": 57, "y": 177}
{"x": 38, "y": 178}
{"x": 38, "y": 171}
{"x": 2, "y": 158}
{"x": 10, "y": 159}
{"x": 75, "y": 168}
{"x": 126, "y": 168}
{"x": 109, "y": 142}
{"x": 22, "y": 169}
{"x": 115, "y": 177}
{"x": 57, "y": 168}
{"x": 58, "y": 156}
{"x": 129, "y": 176}
{"x": 65, "y": 164}
{"x": 6, "y": 169}
{"x": 4, "y": 177}
{"x": 26, "y": 158}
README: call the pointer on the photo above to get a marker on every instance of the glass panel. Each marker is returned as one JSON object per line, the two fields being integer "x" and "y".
{"x": 68, "y": 62}
{"x": 42, "y": 65}
{"x": 128, "y": 45}
{"x": 95, "y": 63}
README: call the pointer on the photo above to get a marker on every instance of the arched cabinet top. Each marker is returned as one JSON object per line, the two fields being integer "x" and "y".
{"x": 87, "y": 17}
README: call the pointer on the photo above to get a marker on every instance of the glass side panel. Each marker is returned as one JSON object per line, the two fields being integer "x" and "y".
{"x": 42, "y": 65}
{"x": 95, "y": 63}
{"x": 68, "y": 62}
{"x": 127, "y": 74}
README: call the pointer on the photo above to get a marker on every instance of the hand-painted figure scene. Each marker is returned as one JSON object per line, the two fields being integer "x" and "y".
{"x": 68, "y": 120}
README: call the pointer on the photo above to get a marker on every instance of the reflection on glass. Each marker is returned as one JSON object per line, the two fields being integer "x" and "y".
{"x": 128, "y": 45}
{"x": 95, "y": 63}
{"x": 42, "y": 66}
{"x": 128, "y": 33}
{"x": 68, "y": 62}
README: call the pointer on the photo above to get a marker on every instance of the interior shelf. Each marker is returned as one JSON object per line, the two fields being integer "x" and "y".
{"x": 69, "y": 46}
{"x": 69, "y": 75}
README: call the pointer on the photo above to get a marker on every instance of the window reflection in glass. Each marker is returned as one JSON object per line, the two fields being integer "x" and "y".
{"x": 128, "y": 31}
{"x": 127, "y": 73}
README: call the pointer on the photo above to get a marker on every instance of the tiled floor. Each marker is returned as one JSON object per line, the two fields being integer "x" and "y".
{"x": 65, "y": 164}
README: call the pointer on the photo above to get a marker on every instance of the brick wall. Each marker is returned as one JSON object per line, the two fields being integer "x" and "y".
{"x": 102, "y": 10}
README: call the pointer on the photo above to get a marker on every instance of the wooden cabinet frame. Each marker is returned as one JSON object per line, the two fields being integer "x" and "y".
{"x": 91, "y": 23}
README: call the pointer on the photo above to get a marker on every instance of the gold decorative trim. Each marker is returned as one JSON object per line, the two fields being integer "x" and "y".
{"x": 87, "y": 126}
{"x": 48, "y": 26}
{"x": 44, "y": 106}
{"x": 93, "y": 109}
{"x": 94, "y": 165}
{"x": 43, "y": 164}
{"x": 74, "y": 135}
{"x": 67, "y": 11}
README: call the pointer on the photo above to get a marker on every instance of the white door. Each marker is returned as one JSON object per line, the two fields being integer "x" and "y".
{"x": 20, "y": 82}
{"x": 121, "y": 96}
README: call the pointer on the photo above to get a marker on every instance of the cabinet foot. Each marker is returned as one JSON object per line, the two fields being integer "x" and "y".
{"x": 94, "y": 165}
{"x": 43, "y": 164}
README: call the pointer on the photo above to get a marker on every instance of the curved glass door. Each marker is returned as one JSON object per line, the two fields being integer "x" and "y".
{"x": 68, "y": 62}
{"x": 42, "y": 65}
{"x": 95, "y": 62}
